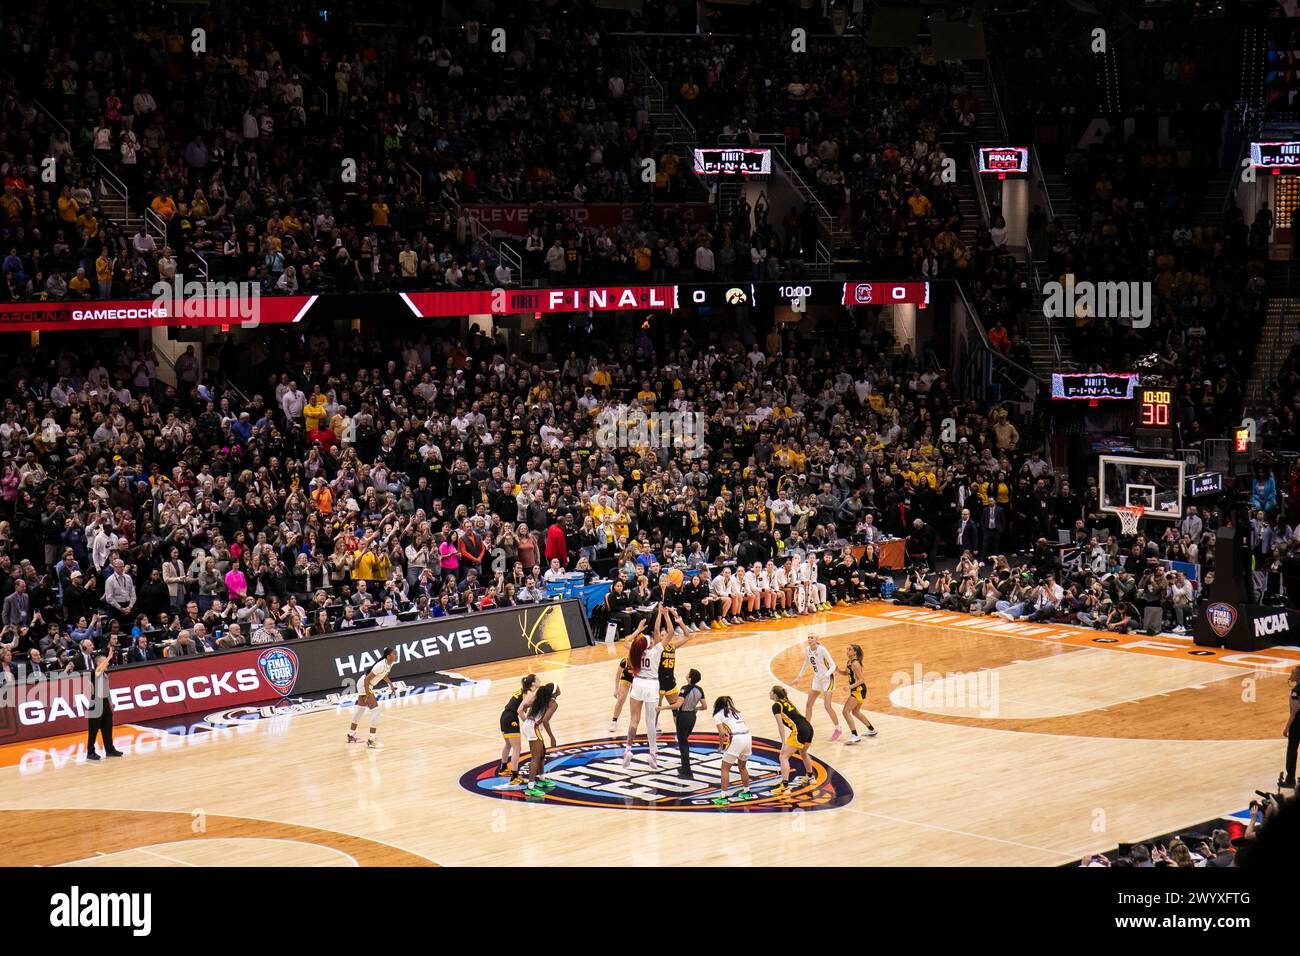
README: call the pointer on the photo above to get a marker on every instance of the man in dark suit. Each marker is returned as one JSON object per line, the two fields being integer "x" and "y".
{"x": 84, "y": 659}
{"x": 141, "y": 651}
{"x": 99, "y": 718}
{"x": 993, "y": 524}
{"x": 967, "y": 537}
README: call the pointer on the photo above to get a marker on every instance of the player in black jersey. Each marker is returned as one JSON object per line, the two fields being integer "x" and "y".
{"x": 857, "y": 695}
{"x": 510, "y": 729}
{"x": 663, "y": 633}
{"x": 797, "y": 737}
{"x": 622, "y": 684}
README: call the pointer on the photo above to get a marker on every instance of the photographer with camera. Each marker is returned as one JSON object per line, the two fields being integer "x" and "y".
{"x": 1181, "y": 600}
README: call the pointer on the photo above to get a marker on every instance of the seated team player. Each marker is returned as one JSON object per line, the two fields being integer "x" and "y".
{"x": 785, "y": 581}
{"x": 776, "y": 580}
{"x": 766, "y": 593}
{"x": 751, "y": 596}
{"x": 818, "y": 593}
{"x": 721, "y": 586}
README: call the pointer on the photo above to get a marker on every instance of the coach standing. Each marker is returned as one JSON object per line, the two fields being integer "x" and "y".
{"x": 100, "y": 717}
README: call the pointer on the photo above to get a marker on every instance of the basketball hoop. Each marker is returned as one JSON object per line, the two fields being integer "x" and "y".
{"x": 1129, "y": 515}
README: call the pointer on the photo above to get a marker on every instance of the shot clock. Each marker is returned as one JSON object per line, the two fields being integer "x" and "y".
{"x": 1156, "y": 415}
{"x": 1155, "y": 408}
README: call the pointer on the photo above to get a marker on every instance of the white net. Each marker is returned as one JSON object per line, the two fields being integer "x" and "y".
{"x": 1129, "y": 517}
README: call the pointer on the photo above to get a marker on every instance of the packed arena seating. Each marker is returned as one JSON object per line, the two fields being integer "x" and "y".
{"x": 302, "y": 498}
{"x": 240, "y": 150}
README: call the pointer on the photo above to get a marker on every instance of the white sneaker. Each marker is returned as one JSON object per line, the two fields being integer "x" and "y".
{"x": 853, "y": 739}
{"x": 872, "y": 732}
{"x": 374, "y": 745}
{"x": 627, "y": 756}
{"x": 1180, "y": 629}
{"x": 613, "y": 726}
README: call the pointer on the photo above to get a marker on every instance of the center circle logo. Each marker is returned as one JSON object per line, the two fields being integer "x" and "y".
{"x": 590, "y": 773}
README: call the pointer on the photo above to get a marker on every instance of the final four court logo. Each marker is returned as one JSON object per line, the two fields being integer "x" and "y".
{"x": 590, "y": 773}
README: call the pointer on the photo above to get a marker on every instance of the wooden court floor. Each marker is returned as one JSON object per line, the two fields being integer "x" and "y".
{"x": 998, "y": 746}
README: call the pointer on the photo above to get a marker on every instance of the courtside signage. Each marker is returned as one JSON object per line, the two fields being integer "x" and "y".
{"x": 340, "y": 659}
{"x": 229, "y": 679}
{"x": 60, "y": 705}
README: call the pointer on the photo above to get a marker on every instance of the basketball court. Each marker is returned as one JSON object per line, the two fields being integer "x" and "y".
{"x": 1000, "y": 744}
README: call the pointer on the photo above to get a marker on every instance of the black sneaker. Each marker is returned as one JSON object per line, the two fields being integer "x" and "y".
{"x": 114, "y": 753}
{"x": 685, "y": 774}
{"x": 93, "y": 756}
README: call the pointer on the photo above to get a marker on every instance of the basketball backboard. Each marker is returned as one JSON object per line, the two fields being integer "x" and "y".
{"x": 1154, "y": 483}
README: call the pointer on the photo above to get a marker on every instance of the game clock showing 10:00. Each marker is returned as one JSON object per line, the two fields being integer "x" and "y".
{"x": 1155, "y": 408}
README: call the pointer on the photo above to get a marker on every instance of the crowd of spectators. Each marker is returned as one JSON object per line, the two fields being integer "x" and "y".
{"x": 314, "y": 154}
{"x": 434, "y": 473}
{"x": 1267, "y": 840}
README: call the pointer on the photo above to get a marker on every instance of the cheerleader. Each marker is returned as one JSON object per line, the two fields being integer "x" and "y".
{"x": 737, "y": 744}
{"x": 534, "y": 717}
{"x": 797, "y": 736}
{"x": 643, "y": 661}
{"x": 819, "y": 659}
{"x": 857, "y": 696}
{"x": 510, "y": 730}
{"x": 622, "y": 684}
{"x": 366, "y": 700}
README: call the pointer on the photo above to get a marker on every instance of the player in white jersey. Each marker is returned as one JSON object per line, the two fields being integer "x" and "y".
{"x": 737, "y": 744}
{"x": 819, "y": 660}
{"x": 776, "y": 585}
{"x": 720, "y": 588}
{"x": 535, "y": 719}
{"x": 643, "y": 657}
{"x": 816, "y": 590}
{"x": 749, "y": 588}
{"x": 366, "y": 699}
{"x": 728, "y": 587}
{"x": 799, "y": 578}
{"x": 787, "y": 582}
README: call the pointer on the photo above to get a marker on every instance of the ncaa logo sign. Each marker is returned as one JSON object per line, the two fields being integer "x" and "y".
{"x": 1221, "y": 617}
{"x": 590, "y": 773}
{"x": 1272, "y": 624}
{"x": 279, "y": 667}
